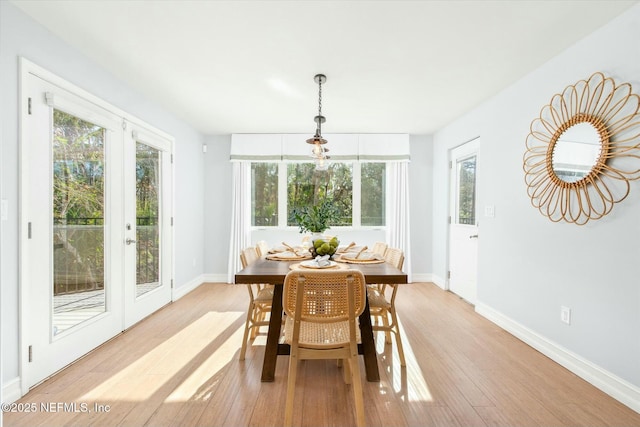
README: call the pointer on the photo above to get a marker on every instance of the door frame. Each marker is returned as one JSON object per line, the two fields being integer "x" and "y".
{"x": 27, "y": 68}
{"x": 450, "y": 208}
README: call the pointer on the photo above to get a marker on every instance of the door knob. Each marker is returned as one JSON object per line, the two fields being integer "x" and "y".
{"x": 129, "y": 241}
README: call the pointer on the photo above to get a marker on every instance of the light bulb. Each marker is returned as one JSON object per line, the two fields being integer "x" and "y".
{"x": 321, "y": 164}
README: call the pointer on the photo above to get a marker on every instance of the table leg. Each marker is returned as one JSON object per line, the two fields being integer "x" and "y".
{"x": 368, "y": 345}
{"x": 275, "y": 323}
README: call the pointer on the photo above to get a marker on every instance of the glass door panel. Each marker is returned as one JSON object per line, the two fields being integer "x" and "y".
{"x": 78, "y": 221}
{"x": 466, "y": 188}
{"x": 147, "y": 218}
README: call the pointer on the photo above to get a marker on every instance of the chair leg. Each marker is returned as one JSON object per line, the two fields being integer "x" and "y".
{"x": 246, "y": 333}
{"x": 396, "y": 331}
{"x": 346, "y": 371}
{"x": 291, "y": 386}
{"x": 385, "y": 325}
{"x": 356, "y": 384}
{"x": 255, "y": 319}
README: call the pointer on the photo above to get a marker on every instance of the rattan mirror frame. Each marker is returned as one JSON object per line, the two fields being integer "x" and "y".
{"x": 614, "y": 111}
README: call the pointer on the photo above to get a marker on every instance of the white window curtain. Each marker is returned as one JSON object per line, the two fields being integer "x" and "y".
{"x": 398, "y": 224}
{"x": 240, "y": 216}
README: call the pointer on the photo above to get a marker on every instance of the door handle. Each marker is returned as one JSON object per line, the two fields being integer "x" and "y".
{"x": 473, "y": 236}
{"x": 129, "y": 241}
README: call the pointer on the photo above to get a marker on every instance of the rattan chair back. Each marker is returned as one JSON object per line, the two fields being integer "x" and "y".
{"x": 379, "y": 248}
{"x": 248, "y": 256}
{"x": 324, "y": 295}
{"x": 395, "y": 257}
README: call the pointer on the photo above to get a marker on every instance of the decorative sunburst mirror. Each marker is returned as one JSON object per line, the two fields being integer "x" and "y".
{"x": 583, "y": 150}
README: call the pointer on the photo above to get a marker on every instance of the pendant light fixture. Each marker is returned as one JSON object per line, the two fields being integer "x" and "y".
{"x": 319, "y": 151}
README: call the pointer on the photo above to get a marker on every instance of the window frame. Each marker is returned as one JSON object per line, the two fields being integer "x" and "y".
{"x": 356, "y": 199}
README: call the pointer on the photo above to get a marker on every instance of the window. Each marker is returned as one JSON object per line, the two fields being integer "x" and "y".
{"x": 372, "y": 196}
{"x": 264, "y": 194}
{"x": 356, "y": 189}
{"x": 307, "y": 186}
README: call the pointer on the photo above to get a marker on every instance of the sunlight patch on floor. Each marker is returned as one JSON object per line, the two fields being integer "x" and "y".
{"x": 195, "y": 386}
{"x": 416, "y": 385}
{"x": 171, "y": 356}
{"x": 409, "y": 383}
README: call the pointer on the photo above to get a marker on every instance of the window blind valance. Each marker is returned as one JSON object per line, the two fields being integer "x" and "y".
{"x": 256, "y": 147}
{"x": 383, "y": 147}
{"x": 342, "y": 147}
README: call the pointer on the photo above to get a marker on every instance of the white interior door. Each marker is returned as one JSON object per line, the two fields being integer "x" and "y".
{"x": 463, "y": 228}
{"x": 96, "y": 238}
{"x": 148, "y": 236}
{"x": 71, "y": 229}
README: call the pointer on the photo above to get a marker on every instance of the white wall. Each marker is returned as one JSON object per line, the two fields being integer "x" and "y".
{"x": 528, "y": 266}
{"x": 21, "y": 36}
{"x": 421, "y": 193}
{"x": 217, "y": 206}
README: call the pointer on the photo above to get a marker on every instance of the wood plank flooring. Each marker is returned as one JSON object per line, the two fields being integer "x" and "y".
{"x": 180, "y": 367}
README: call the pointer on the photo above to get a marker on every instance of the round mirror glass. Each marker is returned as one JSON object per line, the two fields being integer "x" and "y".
{"x": 576, "y": 152}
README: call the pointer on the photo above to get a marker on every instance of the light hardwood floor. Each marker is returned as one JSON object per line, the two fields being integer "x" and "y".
{"x": 180, "y": 367}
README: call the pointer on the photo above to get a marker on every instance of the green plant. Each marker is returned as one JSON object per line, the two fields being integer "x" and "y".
{"x": 316, "y": 218}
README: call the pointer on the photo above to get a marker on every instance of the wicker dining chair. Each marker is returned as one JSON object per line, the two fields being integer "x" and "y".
{"x": 262, "y": 247}
{"x": 322, "y": 308}
{"x": 382, "y": 304}
{"x": 260, "y": 298}
{"x": 379, "y": 248}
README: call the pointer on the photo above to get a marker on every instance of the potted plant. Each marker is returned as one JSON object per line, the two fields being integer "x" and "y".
{"x": 317, "y": 218}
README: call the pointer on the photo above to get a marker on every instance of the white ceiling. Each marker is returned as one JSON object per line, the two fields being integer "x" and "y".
{"x": 391, "y": 66}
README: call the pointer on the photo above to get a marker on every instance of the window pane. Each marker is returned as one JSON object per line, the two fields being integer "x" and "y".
{"x": 307, "y": 186}
{"x": 372, "y": 203}
{"x": 467, "y": 191}
{"x": 78, "y": 221}
{"x": 264, "y": 194}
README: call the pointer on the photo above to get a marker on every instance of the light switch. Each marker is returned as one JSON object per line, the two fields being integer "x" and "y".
{"x": 489, "y": 211}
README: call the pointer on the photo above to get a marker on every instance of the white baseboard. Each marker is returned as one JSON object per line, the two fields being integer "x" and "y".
{"x": 440, "y": 282}
{"x": 615, "y": 387}
{"x": 184, "y": 289}
{"x": 429, "y": 277}
{"x": 421, "y": 277}
{"x": 214, "y": 278}
{"x": 192, "y": 284}
{"x": 11, "y": 391}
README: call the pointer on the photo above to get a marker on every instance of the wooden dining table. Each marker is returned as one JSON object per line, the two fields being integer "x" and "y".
{"x": 273, "y": 272}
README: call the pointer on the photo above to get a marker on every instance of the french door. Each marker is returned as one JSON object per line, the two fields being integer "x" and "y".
{"x": 147, "y": 240}
{"x": 463, "y": 227}
{"x": 95, "y": 226}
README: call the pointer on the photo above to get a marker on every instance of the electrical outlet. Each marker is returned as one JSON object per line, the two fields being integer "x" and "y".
{"x": 565, "y": 315}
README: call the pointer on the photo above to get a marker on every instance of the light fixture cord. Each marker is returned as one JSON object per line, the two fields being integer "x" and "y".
{"x": 320, "y": 107}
